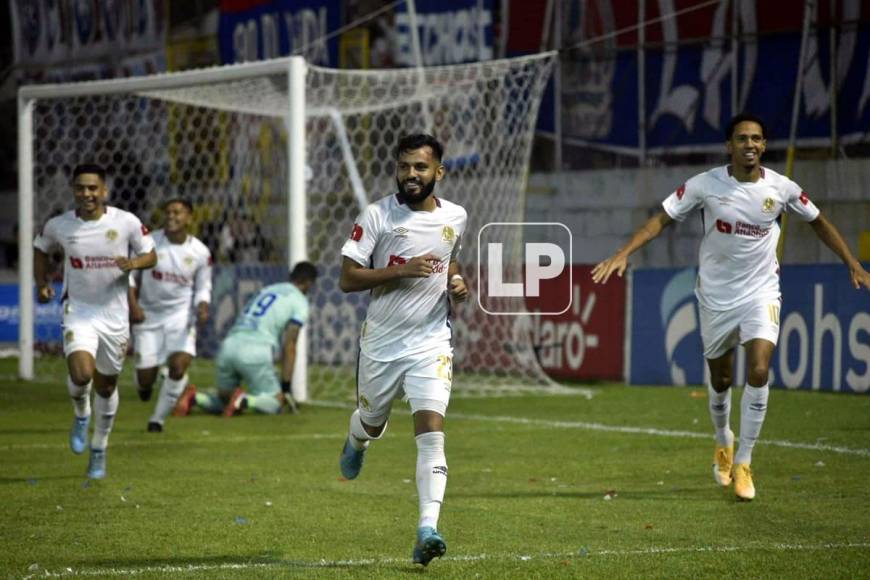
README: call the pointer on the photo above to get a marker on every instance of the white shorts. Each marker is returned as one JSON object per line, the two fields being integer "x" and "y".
{"x": 723, "y": 330}
{"x": 105, "y": 340}
{"x": 154, "y": 344}
{"x": 424, "y": 380}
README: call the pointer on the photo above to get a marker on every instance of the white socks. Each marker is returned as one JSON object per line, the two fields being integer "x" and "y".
{"x": 104, "y": 418}
{"x": 81, "y": 397}
{"x": 431, "y": 476}
{"x": 753, "y": 408}
{"x": 169, "y": 393}
{"x": 720, "y": 413}
{"x": 359, "y": 438}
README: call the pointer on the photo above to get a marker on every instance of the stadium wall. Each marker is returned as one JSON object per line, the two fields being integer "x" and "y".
{"x": 604, "y": 207}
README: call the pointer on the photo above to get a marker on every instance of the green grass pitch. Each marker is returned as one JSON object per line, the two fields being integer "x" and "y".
{"x": 261, "y": 497}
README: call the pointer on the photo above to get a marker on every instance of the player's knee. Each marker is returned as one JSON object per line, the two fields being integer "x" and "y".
{"x": 758, "y": 375}
{"x": 105, "y": 386}
{"x": 80, "y": 377}
{"x": 721, "y": 382}
{"x": 145, "y": 379}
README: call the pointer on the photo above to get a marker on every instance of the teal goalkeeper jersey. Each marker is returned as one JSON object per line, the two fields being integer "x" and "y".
{"x": 269, "y": 311}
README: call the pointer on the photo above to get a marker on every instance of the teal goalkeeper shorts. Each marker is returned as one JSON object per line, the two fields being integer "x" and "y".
{"x": 243, "y": 361}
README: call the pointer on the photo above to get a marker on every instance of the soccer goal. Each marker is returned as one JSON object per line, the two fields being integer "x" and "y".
{"x": 279, "y": 157}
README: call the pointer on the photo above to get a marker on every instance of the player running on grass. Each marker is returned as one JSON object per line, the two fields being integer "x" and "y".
{"x": 403, "y": 248}
{"x": 167, "y": 303}
{"x": 97, "y": 241}
{"x": 271, "y": 318}
{"x": 738, "y": 280}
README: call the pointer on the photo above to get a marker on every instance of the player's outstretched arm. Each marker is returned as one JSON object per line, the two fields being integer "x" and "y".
{"x": 44, "y": 291}
{"x": 356, "y": 277}
{"x": 141, "y": 262}
{"x": 618, "y": 262}
{"x": 830, "y": 235}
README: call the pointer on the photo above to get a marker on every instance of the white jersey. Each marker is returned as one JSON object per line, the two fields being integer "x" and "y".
{"x": 409, "y": 315}
{"x": 92, "y": 282}
{"x": 738, "y": 252}
{"x": 180, "y": 280}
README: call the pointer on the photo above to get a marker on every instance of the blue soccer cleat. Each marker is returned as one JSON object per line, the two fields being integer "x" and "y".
{"x": 351, "y": 460}
{"x": 78, "y": 434}
{"x": 97, "y": 464}
{"x": 430, "y": 545}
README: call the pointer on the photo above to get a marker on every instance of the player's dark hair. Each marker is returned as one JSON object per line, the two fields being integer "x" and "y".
{"x": 180, "y": 200}
{"x": 742, "y": 117}
{"x": 418, "y": 140}
{"x": 93, "y": 168}
{"x": 303, "y": 272}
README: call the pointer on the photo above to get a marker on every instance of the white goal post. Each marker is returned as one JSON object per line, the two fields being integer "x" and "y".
{"x": 293, "y": 67}
{"x": 278, "y": 157}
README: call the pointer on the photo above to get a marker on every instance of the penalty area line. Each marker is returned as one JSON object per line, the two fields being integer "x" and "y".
{"x": 626, "y": 429}
{"x": 656, "y": 432}
{"x": 580, "y": 554}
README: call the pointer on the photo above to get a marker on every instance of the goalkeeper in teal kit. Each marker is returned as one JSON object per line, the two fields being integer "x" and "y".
{"x": 270, "y": 321}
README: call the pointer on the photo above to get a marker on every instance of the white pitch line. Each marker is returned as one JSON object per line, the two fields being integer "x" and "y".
{"x": 581, "y": 554}
{"x": 581, "y": 425}
{"x": 861, "y": 452}
{"x": 656, "y": 432}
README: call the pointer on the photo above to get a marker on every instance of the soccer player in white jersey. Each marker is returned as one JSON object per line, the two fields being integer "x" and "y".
{"x": 738, "y": 280}
{"x": 167, "y": 304}
{"x": 403, "y": 248}
{"x": 97, "y": 242}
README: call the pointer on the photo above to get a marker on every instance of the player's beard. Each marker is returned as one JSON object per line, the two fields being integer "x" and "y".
{"x": 425, "y": 191}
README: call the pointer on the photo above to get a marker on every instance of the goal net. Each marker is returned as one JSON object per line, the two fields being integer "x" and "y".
{"x": 220, "y": 139}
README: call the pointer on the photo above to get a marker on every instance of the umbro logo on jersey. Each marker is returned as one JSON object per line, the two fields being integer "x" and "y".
{"x": 400, "y": 231}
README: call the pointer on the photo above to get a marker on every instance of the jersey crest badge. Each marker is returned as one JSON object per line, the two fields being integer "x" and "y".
{"x": 68, "y": 335}
{"x": 188, "y": 261}
{"x": 112, "y": 235}
{"x": 447, "y": 234}
{"x": 768, "y": 206}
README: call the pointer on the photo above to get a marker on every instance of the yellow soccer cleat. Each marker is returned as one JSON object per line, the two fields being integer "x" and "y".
{"x": 723, "y": 460}
{"x": 743, "y": 486}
